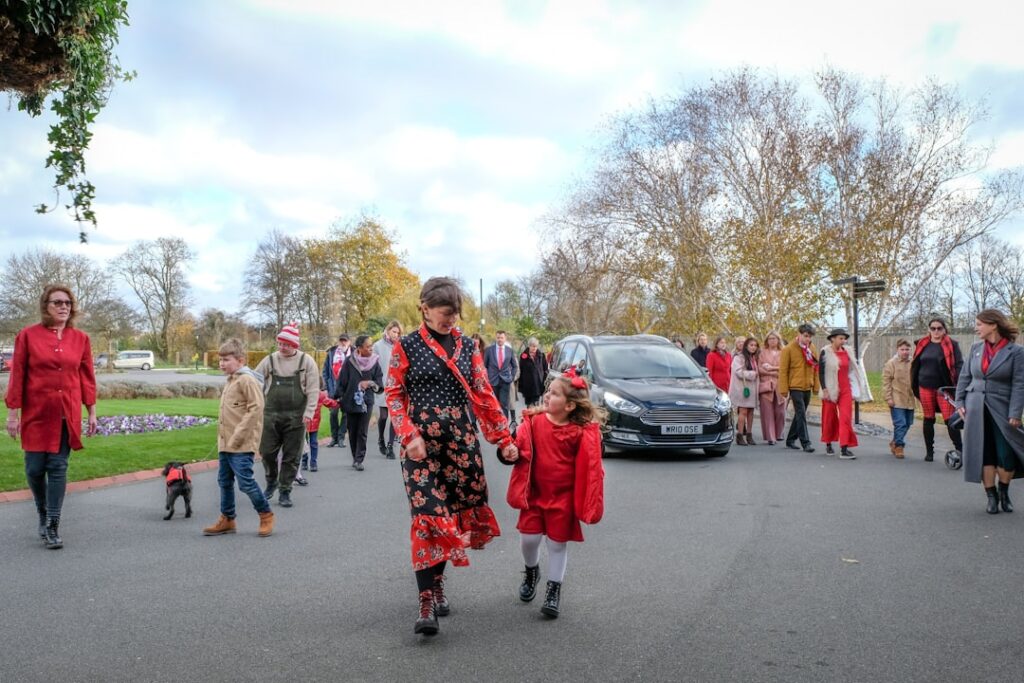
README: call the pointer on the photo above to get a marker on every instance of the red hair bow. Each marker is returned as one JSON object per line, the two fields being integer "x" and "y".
{"x": 573, "y": 375}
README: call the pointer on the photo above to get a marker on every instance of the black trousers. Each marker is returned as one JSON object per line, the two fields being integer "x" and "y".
{"x": 798, "y": 427}
{"x": 358, "y": 424}
{"x": 337, "y": 422}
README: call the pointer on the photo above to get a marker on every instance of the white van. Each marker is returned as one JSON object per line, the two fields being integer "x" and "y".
{"x": 131, "y": 360}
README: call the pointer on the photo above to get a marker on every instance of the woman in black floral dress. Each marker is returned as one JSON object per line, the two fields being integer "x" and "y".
{"x": 435, "y": 373}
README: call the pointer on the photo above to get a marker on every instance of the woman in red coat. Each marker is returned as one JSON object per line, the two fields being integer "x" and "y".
{"x": 51, "y": 377}
{"x": 557, "y": 482}
{"x": 719, "y": 364}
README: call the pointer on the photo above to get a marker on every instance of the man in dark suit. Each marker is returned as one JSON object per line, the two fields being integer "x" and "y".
{"x": 500, "y": 362}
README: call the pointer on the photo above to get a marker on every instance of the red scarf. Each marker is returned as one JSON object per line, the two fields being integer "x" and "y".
{"x": 947, "y": 352}
{"x": 338, "y": 361}
{"x": 808, "y": 355}
{"x": 990, "y": 353}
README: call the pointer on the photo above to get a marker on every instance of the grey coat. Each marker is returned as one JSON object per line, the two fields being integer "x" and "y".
{"x": 1002, "y": 392}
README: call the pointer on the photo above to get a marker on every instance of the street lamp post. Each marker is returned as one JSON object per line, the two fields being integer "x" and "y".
{"x": 859, "y": 289}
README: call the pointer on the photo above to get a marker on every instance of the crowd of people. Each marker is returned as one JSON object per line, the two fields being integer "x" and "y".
{"x": 438, "y": 389}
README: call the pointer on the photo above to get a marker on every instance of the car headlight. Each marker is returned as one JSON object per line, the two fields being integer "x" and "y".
{"x": 723, "y": 404}
{"x": 616, "y": 402}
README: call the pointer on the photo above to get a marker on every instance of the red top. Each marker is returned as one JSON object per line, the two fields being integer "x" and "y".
{"x": 50, "y": 380}
{"x": 314, "y": 424}
{"x": 719, "y": 367}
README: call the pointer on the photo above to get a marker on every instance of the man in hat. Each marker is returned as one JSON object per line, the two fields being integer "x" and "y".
{"x": 798, "y": 380}
{"x": 291, "y": 385}
{"x": 336, "y": 357}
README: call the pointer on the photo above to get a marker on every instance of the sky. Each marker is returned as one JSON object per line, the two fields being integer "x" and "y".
{"x": 458, "y": 124}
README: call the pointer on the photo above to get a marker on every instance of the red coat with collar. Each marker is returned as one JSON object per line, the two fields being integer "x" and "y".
{"x": 720, "y": 369}
{"x": 588, "y": 485}
{"x": 50, "y": 380}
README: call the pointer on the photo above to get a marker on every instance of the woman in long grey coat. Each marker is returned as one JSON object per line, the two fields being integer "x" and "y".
{"x": 990, "y": 398}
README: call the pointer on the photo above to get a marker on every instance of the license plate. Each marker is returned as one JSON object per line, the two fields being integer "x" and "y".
{"x": 682, "y": 429}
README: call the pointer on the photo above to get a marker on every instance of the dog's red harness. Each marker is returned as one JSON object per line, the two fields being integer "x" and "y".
{"x": 178, "y": 474}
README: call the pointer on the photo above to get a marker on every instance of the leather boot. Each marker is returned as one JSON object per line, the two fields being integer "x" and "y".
{"x": 829, "y": 450}
{"x": 528, "y": 588}
{"x": 993, "y": 500}
{"x": 928, "y": 430}
{"x": 53, "y": 540}
{"x": 550, "y": 606}
{"x": 741, "y": 439}
{"x": 42, "y": 525}
{"x": 266, "y": 523}
{"x": 750, "y": 439}
{"x": 268, "y": 492}
{"x": 1004, "y": 497}
{"x": 956, "y": 436}
{"x": 382, "y": 447}
{"x": 441, "y": 606}
{"x": 899, "y": 452}
{"x": 426, "y": 622}
{"x": 285, "y": 499}
{"x": 223, "y": 526}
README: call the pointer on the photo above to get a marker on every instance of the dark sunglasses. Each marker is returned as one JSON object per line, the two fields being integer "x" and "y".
{"x": 60, "y": 302}
{"x": 937, "y": 329}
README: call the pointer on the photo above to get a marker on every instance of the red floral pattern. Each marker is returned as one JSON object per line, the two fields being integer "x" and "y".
{"x": 427, "y": 393}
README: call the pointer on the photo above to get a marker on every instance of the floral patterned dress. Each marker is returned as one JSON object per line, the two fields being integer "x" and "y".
{"x": 427, "y": 393}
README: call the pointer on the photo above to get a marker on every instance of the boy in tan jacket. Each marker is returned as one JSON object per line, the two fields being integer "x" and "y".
{"x": 899, "y": 394}
{"x": 238, "y": 437}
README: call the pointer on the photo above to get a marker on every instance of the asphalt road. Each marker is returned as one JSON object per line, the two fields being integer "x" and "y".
{"x": 765, "y": 565}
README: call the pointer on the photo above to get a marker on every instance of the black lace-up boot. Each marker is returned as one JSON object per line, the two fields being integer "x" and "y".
{"x": 528, "y": 588}
{"x": 441, "y": 606}
{"x": 53, "y": 540}
{"x": 42, "y": 524}
{"x": 426, "y": 622}
{"x": 554, "y": 594}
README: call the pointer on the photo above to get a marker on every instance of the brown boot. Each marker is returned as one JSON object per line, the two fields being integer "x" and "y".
{"x": 223, "y": 526}
{"x": 892, "y": 447}
{"x": 898, "y": 452}
{"x": 266, "y": 523}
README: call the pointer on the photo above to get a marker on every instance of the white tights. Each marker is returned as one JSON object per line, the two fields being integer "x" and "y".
{"x": 558, "y": 555}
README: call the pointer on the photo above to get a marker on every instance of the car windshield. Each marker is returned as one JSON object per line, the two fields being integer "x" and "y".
{"x": 645, "y": 361}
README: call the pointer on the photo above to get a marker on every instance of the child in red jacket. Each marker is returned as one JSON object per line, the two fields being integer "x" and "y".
{"x": 309, "y": 462}
{"x": 558, "y": 481}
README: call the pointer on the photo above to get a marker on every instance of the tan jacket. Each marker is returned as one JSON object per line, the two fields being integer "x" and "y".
{"x": 794, "y": 372}
{"x": 240, "y": 425}
{"x": 896, "y": 386}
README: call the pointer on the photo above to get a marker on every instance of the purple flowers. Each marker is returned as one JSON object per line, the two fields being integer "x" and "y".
{"x": 140, "y": 424}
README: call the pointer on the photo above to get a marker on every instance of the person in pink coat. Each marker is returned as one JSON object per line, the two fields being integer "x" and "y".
{"x": 772, "y": 405}
{"x": 743, "y": 390}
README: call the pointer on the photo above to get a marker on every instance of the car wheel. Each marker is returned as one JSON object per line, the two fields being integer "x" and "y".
{"x": 145, "y": 366}
{"x": 716, "y": 452}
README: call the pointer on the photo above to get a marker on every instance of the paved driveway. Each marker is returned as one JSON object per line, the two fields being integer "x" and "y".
{"x": 766, "y": 565}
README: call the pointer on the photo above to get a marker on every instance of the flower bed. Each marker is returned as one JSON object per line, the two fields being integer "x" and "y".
{"x": 141, "y": 424}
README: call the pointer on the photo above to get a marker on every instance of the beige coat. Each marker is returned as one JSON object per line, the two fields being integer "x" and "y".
{"x": 896, "y": 386}
{"x": 240, "y": 424}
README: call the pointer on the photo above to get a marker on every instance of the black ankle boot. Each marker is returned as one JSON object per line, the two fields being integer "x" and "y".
{"x": 42, "y": 525}
{"x": 1004, "y": 497}
{"x": 829, "y": 450}
{"x": 993, "y": 500}
{"x": 928, "y": 431}
{"x": 441, "y": 606}
{"x": 53, "y": 540}
{"x": 550, "y": 606}
{"x": 528, "y": 588}
{"x": 426, "y": 622}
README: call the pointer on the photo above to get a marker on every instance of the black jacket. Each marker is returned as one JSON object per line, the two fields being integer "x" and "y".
{"x": 700, "y": 354}
{"x": 532, "y": 373}
{"x": 348, "y": 383}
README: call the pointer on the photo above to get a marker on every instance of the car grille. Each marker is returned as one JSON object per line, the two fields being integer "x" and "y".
{"x": 680, "y": 439}
{"x": 675, "y": 416}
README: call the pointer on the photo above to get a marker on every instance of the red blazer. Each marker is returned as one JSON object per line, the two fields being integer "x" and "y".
{"x": 720, "y": 369}
{"x": 50, "y": 380}
{"x": 588, "y": 488}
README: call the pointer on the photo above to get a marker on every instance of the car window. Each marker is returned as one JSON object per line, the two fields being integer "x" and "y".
{"x": 565, "y": 356}
{"x": 581, "y": 361}
{"x": 645, "y": 361}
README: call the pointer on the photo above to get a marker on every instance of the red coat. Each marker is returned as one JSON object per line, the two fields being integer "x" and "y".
{"x": 50, "y": 380}
{"x": 587, "y": 491}
{"x": 720, "y": 369}
{"x": 314, "y": 424}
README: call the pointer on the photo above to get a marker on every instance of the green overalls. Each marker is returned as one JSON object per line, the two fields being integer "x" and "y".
{"x": 282, "y": 426}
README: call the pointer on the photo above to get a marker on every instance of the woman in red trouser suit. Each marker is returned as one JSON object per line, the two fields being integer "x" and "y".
{"x": 840, "y": 387}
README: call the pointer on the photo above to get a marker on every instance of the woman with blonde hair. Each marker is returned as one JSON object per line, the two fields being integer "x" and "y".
{"x": 772, "y": 405}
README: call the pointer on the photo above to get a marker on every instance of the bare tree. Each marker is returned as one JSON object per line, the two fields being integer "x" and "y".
{"x": 270, "y": 278}
{"x": 155, "y": 272}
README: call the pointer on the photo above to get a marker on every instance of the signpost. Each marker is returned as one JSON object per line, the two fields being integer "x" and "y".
{"x": 860, "y": 288}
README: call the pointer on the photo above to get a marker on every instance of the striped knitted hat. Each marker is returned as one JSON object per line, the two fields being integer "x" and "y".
{"x": 289, "y": 335}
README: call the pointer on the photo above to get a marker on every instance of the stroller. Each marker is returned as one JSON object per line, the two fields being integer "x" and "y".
{"x": 954, "y": 458}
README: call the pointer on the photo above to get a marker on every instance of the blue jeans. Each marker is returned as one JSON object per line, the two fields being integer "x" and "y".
{"x": 47, "y": 475}
{"x": 902, "y": 419}
{"x": 314, "y": 446}
{"x": 238, "y": 466}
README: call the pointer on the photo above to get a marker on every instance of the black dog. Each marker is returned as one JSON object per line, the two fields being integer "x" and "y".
{"x": 179, "y": 483}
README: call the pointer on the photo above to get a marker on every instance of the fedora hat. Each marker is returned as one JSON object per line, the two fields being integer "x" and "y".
{"x": 838, "y": 332}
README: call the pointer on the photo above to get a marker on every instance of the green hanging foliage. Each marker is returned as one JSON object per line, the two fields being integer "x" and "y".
{"x": 61, "y": 51}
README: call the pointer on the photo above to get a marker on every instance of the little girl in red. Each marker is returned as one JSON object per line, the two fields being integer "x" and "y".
{"x": 558, "y": 481}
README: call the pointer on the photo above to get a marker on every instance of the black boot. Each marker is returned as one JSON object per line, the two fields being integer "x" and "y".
{"x": 305, "y": 463}
{"x": 1004, "y": 497}
{"x": 993, "y": 500}
{"x": 550, "y": 606}
{"x": 528, "y": 588}
{"x": 285, "y": 499}
{"x": 42, "y": 525}
{"x": 53, "y": 540}
{"x": 268, "y": 492}
{"x": 828, "y": 449}
{"x": 382, "y": 447}
{"x": 956, "y": 436}
{"x": 391, "y": 452}
{"x": 426, "y": 622}
{"x": 441, "y": 605}
{"x": 928, "y": 430}
{"x": 846, "y": 454}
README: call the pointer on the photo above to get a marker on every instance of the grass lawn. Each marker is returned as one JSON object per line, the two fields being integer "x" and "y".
{"x": 107, "y": 455}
